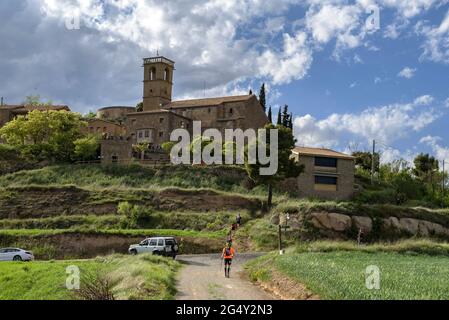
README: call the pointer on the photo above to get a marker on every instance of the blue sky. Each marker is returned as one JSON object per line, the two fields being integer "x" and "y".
{"x": 345, "y": 83}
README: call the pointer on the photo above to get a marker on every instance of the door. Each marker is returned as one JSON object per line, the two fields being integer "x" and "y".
{"x": 161, "y": 245}
{"x": 153, "y": 245}
{"x": 3, "y": 255}
{"x": 143, "y": 246}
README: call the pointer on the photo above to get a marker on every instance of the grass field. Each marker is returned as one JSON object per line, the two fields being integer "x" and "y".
{"x": 142, "y": 277}
{"x": 340, "y": 272}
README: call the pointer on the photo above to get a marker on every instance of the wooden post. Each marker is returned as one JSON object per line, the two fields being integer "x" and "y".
{"x": 280, "y": 239}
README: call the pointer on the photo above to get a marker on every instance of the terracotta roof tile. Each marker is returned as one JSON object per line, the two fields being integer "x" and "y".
{"x": 321, "y": 152}
{"x": 206, "y": 102}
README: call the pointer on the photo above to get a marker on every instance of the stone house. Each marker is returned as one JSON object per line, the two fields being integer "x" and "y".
{"x": 9, "y": 112}
{"x": 327, "y": 174}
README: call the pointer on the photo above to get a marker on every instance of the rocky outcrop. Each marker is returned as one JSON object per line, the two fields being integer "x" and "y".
{"x": 340, "y": 223}
{"x": 332, "y": 221}
{"x": 363, "y": 223}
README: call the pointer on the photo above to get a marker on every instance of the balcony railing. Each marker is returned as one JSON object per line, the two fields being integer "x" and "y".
{"x": 158, "y": 60}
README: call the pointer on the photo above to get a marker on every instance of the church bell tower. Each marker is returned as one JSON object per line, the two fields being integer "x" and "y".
{"x": 157, "y": 82}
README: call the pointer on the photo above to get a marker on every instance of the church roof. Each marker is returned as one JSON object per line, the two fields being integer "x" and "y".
{"x": 320, "y": 152}
{"x": 207, "y": 102}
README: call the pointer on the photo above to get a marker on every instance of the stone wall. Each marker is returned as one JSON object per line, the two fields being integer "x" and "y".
{"x": 336, "y": 225}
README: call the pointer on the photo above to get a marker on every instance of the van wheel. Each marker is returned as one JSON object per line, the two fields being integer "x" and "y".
{"x": 17, "y": 258}
{"x": 134, "y": 252}
{"x": 156, "y": 253}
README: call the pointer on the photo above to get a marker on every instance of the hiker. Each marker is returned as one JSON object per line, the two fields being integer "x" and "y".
{"x": 238, "y": 220}
{"x": 228, "y": 255}
{"x": 229, "y": 238}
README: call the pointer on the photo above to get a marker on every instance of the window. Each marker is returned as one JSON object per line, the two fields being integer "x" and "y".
{"x": 231, "y": 111}
{"x": 160, "y": 243}
{"x": 133, "y": 122}
{"x": 326, "y": 180}
{"x": 161, "y": 120}
{"x": 166, "y": 74}
{"x": 147, "y": 133}
{"x": 144, "y": 243}
{"x": 325, "y": 162}
{"x": 153, "y": 242}
{"x": 153, "y": 74}
{"x": 140, "y": 134}
{"x": 161, "y": 134}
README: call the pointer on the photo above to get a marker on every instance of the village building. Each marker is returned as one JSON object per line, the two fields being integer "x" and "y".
{"x": 327, "y": 174}
{"x": 9, "y": 112}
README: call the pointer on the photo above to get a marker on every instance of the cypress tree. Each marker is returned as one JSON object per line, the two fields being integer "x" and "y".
{"x": 279, "y": 117}
{"x": 270, "y": 117}
{"x": 262, "y": 98}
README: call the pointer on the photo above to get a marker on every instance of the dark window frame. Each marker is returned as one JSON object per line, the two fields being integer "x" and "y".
{"x": 332, "y": 181}
{"x": 326, "y": 162}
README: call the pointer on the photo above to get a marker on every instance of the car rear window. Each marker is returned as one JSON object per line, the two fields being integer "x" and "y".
{"x": 169, "y": 242}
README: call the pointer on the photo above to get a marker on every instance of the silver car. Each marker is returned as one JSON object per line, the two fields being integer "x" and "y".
{"x": 15, "y": 254}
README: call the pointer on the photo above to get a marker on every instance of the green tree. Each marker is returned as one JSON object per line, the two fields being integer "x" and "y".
{"x": 45, "y": 134}
{"x": 141, "y": 148}
{"x": 287, "y": 167}
{"x": 285, "y": 117}
{"x": 35, "y": 101}
{"x": 90, "y": 115}
{"x": 262, "y": 98}
{"x": 363, "y": 160}
{"x": 87, "y": 148}
{"x": 426, "y": 168}
{"x": 139, "y": 107}
{"x": 279, "y": 121}
{"x": 270, "y": 116}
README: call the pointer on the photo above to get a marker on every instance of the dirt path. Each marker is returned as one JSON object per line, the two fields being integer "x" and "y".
{"x": 202, "y": 278}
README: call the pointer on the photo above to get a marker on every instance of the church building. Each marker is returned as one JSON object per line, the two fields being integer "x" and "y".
{"x": 161, "y": 115}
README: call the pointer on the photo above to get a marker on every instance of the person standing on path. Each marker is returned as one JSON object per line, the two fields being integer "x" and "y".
{"x": 238, "y": 220}
{"x": 228, "y": 255}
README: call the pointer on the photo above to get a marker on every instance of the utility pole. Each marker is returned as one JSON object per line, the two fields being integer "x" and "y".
{"x": 373, "y": 162}
{"x": 444, "y": 181}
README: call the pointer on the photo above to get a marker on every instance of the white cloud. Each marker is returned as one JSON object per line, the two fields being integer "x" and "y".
{"x": 385, "y": 123}
{"x": 353, "y": 85}
{"x": 436, "y": 46}
{"x": 290, "y": 64}
{"x": 424, "y": 100}
{"x": 446, "y": 103}
{"x": 407, "y": 73}
{"x": 377, "y": 80}
{"x": 441, "y": 152}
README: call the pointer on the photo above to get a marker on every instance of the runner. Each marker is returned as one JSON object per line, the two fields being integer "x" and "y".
{"x": 238, "y": 220}
{"x": 228, "y": 255}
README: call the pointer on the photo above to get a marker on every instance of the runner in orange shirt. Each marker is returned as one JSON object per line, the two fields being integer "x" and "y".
{"x": 228, "y": 255}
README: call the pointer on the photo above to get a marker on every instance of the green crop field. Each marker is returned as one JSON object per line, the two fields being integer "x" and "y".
{"x": 140, "y": 277}
{"x": 341, "y": 274}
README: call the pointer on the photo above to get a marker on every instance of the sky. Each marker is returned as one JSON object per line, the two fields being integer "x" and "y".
{"x": 350, "y": 71}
